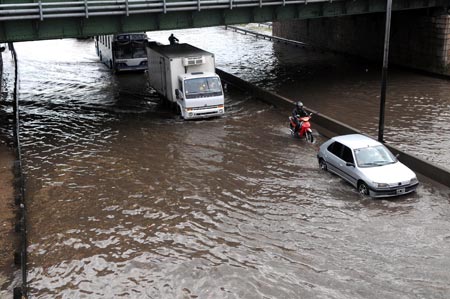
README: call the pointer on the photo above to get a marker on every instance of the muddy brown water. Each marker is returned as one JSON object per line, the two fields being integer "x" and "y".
{"x": 125, "y": 200}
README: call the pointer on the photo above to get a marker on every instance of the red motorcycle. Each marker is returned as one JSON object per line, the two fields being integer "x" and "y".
{"x": 305, "y": 131}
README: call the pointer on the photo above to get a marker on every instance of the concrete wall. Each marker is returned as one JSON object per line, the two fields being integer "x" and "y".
{"x": 419, "y": 38}
{"x": 1, "y": 73}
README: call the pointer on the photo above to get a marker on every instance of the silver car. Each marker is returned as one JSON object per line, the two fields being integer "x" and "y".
{"x": 366, "y": 164}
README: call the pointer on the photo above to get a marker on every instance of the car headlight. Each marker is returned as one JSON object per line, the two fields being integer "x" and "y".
{"x": 381, "y": 185}
{"x": 413, "y": 181}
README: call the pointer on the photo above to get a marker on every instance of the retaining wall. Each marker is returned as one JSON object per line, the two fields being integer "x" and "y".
{"x": 419, "y": 39}
{"x": 329, "y": 127}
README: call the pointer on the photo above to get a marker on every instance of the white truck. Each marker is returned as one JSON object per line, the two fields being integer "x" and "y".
{"x": 185, "y": 76}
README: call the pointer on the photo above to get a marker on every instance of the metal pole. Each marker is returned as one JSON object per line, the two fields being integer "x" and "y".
{"x": 385, "y": 70}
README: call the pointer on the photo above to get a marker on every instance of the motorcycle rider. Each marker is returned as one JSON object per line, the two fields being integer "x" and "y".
{"x": 298, "y": 113}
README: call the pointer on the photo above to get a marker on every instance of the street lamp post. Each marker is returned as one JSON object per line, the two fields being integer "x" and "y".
{"x": 385, "y": 70}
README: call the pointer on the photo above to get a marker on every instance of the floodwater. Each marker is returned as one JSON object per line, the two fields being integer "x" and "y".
{"x": 417, "y": 110}
{"x": 125, "y": 200}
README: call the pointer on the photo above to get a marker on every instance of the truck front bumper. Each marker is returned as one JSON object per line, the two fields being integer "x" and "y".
{"x": 204, "y": 112}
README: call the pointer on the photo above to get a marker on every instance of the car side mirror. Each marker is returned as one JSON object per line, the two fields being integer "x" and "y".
{"x": 350, "y": 164}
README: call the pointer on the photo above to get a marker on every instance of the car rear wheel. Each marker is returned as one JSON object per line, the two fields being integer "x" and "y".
{"x": 323, "y": 164}
{"x": 363, "y": 189}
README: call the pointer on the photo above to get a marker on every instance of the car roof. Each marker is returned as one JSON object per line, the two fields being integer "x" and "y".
{"x": 356, "y": 140}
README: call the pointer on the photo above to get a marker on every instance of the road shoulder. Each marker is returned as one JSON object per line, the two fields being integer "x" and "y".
{"x": 7, "y": 216}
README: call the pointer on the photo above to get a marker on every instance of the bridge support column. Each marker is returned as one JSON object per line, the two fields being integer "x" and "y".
{"x": 420, "y": 39}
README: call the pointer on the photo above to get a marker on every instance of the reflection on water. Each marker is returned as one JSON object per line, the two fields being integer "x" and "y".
{"x": 127, "y": 201}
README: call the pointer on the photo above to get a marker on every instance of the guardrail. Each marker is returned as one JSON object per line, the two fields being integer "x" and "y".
{"x": 46, "y": 10}
{"x": 269, "y": 37}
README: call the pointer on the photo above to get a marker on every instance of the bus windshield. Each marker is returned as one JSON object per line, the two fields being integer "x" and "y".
{"x": 202, "y": 87}
{"x": 130, "y": 49}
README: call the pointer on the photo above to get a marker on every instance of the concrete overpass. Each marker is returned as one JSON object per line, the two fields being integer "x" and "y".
{"x": 24, "y": 20}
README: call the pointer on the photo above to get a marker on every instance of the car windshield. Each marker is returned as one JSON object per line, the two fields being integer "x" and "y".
{"x": 374, "y": 156}
{"x": 203, "y": 87}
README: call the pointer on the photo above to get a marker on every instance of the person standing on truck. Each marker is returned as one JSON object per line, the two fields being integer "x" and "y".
{"x": 173, "y": 40}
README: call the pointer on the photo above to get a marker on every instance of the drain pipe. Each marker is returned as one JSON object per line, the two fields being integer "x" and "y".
{"x": 20, "y": 256}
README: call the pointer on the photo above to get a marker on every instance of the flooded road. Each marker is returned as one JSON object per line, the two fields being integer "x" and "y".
{"x": 417, "y": 106}
{"x": 127, "y": 201}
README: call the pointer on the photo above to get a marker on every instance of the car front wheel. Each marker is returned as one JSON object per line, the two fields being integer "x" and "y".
{"x": 363, "y": 189}
{"x": 309, "y": 137}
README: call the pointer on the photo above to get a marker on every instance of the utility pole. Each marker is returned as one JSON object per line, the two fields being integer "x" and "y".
{"x": 385, "y": 70}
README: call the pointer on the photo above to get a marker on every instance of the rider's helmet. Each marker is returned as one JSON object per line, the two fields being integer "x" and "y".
{"x": 299, "y": 105}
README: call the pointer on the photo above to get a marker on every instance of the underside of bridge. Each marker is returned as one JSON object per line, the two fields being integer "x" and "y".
{"x": 419, "y": 39}
{"x": 22, "y": 20}
{"x": 420, "y": 30}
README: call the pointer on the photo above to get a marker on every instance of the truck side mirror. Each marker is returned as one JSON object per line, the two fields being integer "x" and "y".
{"x": 178, "y": 94}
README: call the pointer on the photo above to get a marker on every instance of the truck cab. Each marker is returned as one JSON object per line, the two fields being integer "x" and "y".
{"x": 200, "y": 95}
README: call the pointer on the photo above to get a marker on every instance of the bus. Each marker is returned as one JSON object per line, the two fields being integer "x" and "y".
{"x": 122, "y": 52}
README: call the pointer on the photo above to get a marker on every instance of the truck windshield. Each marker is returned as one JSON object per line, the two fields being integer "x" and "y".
{"x": 202, "y": 87}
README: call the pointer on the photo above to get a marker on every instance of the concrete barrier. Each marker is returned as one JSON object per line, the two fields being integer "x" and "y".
{"x": 329, "y": 127}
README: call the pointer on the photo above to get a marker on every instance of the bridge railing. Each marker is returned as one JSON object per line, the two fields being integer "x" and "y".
{"x": 46, "y": 10}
